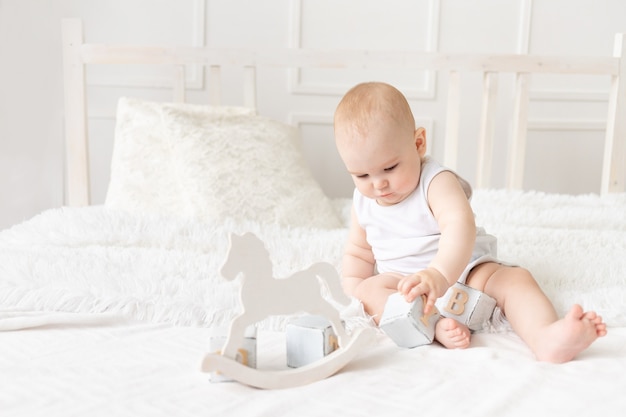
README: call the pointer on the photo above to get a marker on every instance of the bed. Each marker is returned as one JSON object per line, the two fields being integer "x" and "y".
{"x": 108, "y": 309}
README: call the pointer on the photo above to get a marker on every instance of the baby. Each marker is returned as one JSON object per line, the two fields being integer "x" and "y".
{"x": 413, "y": 231}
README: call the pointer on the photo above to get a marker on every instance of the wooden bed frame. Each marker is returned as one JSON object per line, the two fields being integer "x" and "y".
{"x": 77, "y": 54}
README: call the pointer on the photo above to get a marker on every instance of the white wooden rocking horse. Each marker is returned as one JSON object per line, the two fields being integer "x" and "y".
{"x": 262, "y": 295}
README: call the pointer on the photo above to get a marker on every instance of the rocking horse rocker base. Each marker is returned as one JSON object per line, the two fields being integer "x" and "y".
{"x": 261, "y": 295}
{"x": 287, "y": 378}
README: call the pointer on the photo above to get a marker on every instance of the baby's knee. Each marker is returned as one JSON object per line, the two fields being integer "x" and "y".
{"x": 505, "y": 273}
{"x": 520, "y": 274}
{"x": 510, "y": 280}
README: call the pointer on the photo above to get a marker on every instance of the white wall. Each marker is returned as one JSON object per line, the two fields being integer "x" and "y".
{"x": 31, "y": 113}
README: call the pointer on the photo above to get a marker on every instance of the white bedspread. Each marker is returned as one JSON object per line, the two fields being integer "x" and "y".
{"x": 153, "y": 370}
{"x": 115, "y": 311}
{"x": 166, "y": 269}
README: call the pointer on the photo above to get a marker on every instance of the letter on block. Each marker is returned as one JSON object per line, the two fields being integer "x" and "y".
{"x": 246, "y": 354}
{"x": 406, "y": 324}
{"x": 309, "y": 338}
{"x": 466, "y": 305}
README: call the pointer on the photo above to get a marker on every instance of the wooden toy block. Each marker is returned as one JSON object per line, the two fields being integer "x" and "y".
{"x": 466, "y": 305}
{"x": 246, "y": 354}
{"x": 309, "y": 339}
{"x": 406, "y": 324}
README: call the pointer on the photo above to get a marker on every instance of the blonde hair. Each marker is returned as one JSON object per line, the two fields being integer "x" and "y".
{"x": 373, "y": 102}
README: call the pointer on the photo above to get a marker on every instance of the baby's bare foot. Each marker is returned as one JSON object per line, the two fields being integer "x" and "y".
{"x": 564, "y": 339}
{"x": 452, "y": 334}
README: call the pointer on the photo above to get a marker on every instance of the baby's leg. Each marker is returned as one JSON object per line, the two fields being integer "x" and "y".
{"x": 532, "y": 315}
{"x": 452, "y": 334}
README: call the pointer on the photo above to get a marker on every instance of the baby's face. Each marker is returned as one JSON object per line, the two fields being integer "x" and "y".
{"x": 385, "y": 162}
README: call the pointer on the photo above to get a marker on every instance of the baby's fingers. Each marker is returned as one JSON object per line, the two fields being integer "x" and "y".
{"x": 415, "y": 291}
{"x": 406, "y": 284}
{"x": 429, "y": 302}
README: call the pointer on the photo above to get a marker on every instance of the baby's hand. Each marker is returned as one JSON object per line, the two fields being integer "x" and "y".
{"x": 428, "y": 282}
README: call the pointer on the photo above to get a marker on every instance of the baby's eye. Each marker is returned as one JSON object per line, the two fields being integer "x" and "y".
{"x": 391, "y": 168}
{"x": 361, "y": 176}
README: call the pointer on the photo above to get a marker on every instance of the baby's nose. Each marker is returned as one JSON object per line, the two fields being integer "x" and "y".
{"x": 381, "y": 184}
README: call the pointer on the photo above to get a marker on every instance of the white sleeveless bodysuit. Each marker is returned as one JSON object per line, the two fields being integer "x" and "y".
{"x": 404, "y": 237}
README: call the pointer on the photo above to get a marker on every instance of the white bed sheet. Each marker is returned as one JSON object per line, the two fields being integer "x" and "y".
{"x": 138, "y": 369}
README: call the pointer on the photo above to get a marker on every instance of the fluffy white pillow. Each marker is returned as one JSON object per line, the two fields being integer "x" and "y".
{"x": 212, "y": 163}
{"x": 143, "y": 177}
{"x": 245, "y": 167}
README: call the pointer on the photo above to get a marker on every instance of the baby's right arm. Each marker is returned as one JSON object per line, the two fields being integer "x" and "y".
{"x": 358, "y": 274}
{"x": 358, "y": 258}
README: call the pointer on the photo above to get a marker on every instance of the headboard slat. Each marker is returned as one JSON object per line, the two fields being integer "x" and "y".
{"x": 614, "y": 164}
{"x": 179, "y": 84}
{"x": 517, "y": 147}
{"x": 487, "y": 128}
{"x": 215, "y": 85}
{"x": 453, "y": 110}
{"x": 249, "y": 87}
{"x": 76, "y": 143}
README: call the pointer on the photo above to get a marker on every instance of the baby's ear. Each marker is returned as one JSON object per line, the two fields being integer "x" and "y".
{"x": 420, "y": 141}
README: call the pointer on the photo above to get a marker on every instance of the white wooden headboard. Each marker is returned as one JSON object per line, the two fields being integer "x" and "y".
{"x": 77, "y": 54}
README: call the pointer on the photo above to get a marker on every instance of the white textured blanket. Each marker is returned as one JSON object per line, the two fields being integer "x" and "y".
{"x": 160, "y": 269}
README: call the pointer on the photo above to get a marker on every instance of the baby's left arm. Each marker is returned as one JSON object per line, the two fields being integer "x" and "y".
{"x": 455, "y": 217}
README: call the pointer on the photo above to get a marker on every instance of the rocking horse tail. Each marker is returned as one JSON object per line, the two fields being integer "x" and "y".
{"x": 329, "y": 276}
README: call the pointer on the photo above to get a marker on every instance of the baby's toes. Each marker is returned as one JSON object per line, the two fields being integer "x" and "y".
{"x": 462, "y": 342}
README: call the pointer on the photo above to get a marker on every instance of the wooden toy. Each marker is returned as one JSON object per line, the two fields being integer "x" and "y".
{"x": 466, "y": 305}
{"x": 308, "y": 339}
{"x": 406, "y": 324}
{"x": 261, "y": 295}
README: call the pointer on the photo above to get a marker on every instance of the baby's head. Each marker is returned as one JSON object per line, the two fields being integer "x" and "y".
{"x": 372, "y": 105}
{"x": 377, "y": 140}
